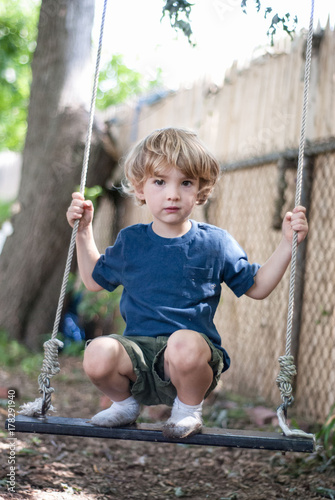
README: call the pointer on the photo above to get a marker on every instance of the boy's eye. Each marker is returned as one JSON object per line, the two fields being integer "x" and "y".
{"x": 187, "y": 183}
{"x": 159, "y": 182}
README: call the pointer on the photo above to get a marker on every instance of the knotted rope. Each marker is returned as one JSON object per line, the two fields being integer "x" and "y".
{"x": 287, "y": 367}
{"x": 50, "y": 366}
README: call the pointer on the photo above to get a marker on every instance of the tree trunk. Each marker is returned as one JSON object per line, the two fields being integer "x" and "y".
{"x": 33, "y": 259}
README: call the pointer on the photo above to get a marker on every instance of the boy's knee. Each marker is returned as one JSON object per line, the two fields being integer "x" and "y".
{"x": 99, "y": 357}
{"x": 187, "y": 349}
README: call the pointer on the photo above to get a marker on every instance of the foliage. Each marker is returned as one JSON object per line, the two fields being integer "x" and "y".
{"x": 72, "y": 349}
{"x": 5, "y": 211}
{"x": 98, "y": 305}
{"x": 327, "y": 434}
{"x": 117, "y": 83}
{"x": 175, "y": 9}
{"x": 181, "y": 8}
{"x": 14, "y": 354}
{"x": 94, "y": 306}
{"x": 93, "y": 194}
{"x": 285, "y": 22}
{"x": 18, "y": 32}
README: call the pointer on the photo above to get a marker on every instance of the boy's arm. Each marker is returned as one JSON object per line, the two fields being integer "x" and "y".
{"x": 87, "y": 257}
{"x": 270, "y": 274}
{"x": 87, "y": 252}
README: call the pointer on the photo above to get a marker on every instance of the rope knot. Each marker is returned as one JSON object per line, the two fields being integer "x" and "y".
{"x": 285, "y": 377}
{"x": 50, "y": 367}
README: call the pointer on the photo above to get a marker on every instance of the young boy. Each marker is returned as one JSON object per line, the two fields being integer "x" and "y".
{"x": 171, "y": 271}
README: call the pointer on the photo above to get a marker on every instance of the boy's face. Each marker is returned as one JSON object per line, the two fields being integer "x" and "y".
{"x": 170, "y": 197}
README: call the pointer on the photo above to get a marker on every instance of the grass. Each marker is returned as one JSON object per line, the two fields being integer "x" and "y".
{"x": 14, "y": 354}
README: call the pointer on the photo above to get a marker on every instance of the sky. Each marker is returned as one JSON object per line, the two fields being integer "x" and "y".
{"x": 222, "y": 32}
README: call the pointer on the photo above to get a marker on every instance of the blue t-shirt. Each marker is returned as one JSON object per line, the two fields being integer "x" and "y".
{"x": 174, "y": 283}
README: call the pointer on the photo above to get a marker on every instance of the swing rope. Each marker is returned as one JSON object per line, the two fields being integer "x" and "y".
{"x": 50, "y": 365}
{"x": 286, "y": 362}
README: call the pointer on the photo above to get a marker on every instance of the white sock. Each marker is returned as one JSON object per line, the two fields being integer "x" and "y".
{"x": 187, "y": 408}
{"x": 185, "y": 420}
{"x": 119, "y": 413}
{"x": 128, "y": 401}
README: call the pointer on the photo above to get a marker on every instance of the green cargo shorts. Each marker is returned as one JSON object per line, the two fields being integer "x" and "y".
{"x": 147, "y": 356}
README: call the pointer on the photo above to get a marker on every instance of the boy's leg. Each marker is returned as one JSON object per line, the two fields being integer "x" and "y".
{"x": 186, "y": 361}
{"x": 109, "y": 367}
{"x": 186, "y": 364}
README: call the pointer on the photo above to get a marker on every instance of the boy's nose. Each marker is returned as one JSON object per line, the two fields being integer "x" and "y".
{"x": 173, "y": 196}
{"x": 173, "y": 193}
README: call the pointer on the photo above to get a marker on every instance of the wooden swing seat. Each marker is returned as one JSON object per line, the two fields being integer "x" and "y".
{"x": 80, "y": 427}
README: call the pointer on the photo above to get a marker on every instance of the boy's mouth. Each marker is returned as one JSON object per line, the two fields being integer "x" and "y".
{"x": 171, "y": 209}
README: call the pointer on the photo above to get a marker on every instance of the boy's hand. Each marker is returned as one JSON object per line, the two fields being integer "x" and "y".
{"x": 80, "y": 209}
{"x": 295, "y": 222}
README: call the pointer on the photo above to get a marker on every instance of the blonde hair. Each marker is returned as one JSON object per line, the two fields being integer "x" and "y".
{"x": 173, "y": 147}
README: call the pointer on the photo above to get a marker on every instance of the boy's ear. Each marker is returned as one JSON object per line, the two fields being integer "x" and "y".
{"x": 139, "y": 192}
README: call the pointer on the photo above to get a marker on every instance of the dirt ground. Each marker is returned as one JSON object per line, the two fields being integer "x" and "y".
{"x": 53, "y": 467}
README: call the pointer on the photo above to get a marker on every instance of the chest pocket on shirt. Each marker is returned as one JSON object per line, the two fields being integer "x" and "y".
{"x": 197, "y": 283}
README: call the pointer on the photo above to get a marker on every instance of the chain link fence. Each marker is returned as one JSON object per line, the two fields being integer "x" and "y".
{"x": 316, "y": 359}
{"x": 254, "y": 332}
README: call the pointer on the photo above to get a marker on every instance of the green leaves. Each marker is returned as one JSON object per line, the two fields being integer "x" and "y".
{"x": 18, "y": 32}
{"x": 175, "y": 9}
{"x": 285, "y": 22}
{"x": 327, "y": 434}
{"x": 117, "y": 82}
{"x": 179, "y": 12}
{"x": 5, "y": 211}
{"x": 244, "y": 5}
{"x": 14, "y": 354}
